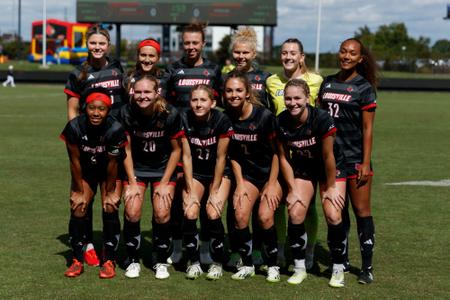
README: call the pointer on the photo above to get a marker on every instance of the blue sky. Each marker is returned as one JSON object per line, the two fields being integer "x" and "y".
{"x": 296, "y": 18}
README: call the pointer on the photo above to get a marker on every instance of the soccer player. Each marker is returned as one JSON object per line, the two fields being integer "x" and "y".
{"x": 306, "y": 136}
{"x": 156, "y": 133}
{"x": 208, "y": 132}
{"x": 148, "y": 55}
{"x": 294, "y": 66}
{"x": 254, "y": 161}
{"x": 10, "y": 77}
{"x": 98, "y": 71}
{"x": 243, "y": 48}
{"x": 192, "y": 69}
{"x": 95, "y": 142}
{"x": 350, "y": 98}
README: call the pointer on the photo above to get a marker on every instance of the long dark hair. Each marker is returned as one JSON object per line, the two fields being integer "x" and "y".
{"x": 253, "y": 98}
{"x": 367, "y": 68}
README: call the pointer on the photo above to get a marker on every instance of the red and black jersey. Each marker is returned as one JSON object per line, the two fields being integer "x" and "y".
{"x": 257, "y": 79}
{"x": 203, "y": 138}
{"x": 151, "y": 138}
{"x": 251, "y": 143}
{"x": 180, "y": 78}
{"x": 345, "y": 102}
{"x": 109, "y": 77}
{"x": 304, "y": 142}
{"x": 95, "y": 143}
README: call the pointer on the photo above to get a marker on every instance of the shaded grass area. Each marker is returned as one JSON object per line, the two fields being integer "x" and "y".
{"x": 412, "y": 260}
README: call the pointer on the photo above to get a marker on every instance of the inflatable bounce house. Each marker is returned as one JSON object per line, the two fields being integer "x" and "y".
{"x": 66, "y": 42}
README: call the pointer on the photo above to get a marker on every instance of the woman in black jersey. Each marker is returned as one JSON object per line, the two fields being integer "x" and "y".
{"x": 306, "y": 136}
{"x": 350, "y": 98}
{"x": 98, "y": 71}
{"x": 148, "y": 55}
{"x": 254, "y": 161}
{"x": 95, "y": 142}
{"x": 180, "y": 77}
{"x": 156, "y": 134}
{"x": 208, "y": 132}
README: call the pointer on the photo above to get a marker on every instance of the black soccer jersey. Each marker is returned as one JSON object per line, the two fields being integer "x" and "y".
{"x": 345, "y": 102}
{"x": 251, "y": 143}
{"x": 95, "y": 143}
{"x": 257, "y": 79}
{"x": 180, "y": 78}
{"x": 151, "y": 138}
{"x": 203, "y": 138}
{"x": 304, "y": 142}
{"x": 109, "y": 77}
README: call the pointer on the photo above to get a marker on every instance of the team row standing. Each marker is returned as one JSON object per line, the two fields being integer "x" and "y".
{"x": 261, "y": 179}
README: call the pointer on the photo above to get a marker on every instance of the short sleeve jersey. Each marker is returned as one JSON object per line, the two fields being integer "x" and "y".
{"x": 110, "y": 77}
{"x": 345, "y": 102}
{"x": 305, "y": 142}
{"x": 257, "y": 79}
{"x": 203, "y": 138}
{"x": 180, "y": 78}
{"x": 151, "y": 138}
{"x": 95, "y": 143}
{"x": 251, "y": 143}
{"x": 277, "y": 82}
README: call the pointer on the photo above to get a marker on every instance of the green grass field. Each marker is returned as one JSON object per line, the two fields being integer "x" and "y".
{"x": 412, "y": 258}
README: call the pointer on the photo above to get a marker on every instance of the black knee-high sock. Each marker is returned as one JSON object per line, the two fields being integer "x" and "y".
{"x": 297, "y": 240}
{"x": 89, "y": 231}
{"x": 77, "y": 231}
{"x": 231, "y": 221}
{"x": 270, "y": 240}
{"x": 244, "y": 239}
{"x": 346, "y": 223}
{"x": 366, "y": 233}
{"x": 216, "y": 233}
{"x": 177, "y": 215}
{"x": 162, "y": 241}
{"x": 204, "y": 232}
{"x": 190, "y": 238}
{"x": 337, "y": 242}
{"x": 111, "y": 235}
{"x": 257, "y": 230}
{"x": 132, "y": 236}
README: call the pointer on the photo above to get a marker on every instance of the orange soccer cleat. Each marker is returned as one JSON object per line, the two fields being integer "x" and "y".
{"x": 75, "y": 269}
{"x": 108, "y": 270}
{"x": 91, "y": 258}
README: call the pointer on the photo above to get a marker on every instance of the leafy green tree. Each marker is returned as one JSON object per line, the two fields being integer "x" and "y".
{"x": 441, "y": 49}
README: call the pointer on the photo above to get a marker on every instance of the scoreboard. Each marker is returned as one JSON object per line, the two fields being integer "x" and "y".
{"x": 218, "y": 12}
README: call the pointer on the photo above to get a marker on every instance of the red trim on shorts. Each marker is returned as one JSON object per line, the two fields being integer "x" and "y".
{"x": 172, "y": 183}
{"x": 123, "y": 144}
{"x": 62, "y": 138}
{"x": 356, "y": 175}
{"x": 180, "y": 164}
{"x": 369, "y": 106}
{"x": 341, "y": 179}
{"x": 127, "y": 183}
{"x": 272, "y": 135}
{"x": 178, "y": 135}
{"x": 71, "y": 94}
{"x": 330, "y": 132}
{"x": 226, "y": 135}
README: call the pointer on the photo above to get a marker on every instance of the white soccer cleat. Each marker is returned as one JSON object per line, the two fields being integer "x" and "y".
{"x": 194, "y": 271}
{"x": 215, "y": 272}
{"x": 298, "y": 276}
{"x": 133, "y": 270}
{"x": 244, "y": 272}
{"x": 337, "y": 277}
{"x": 161, "y": 271}
{"x": 273, "y": 274}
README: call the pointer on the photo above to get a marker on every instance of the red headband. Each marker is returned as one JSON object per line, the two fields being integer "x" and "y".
{"x": 151, "y": 43}
{"x": 99, "y": 97}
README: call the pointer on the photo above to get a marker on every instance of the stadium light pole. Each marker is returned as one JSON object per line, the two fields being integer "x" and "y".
{"x": 319, "y": 15}
{"x": 44, "y": 35}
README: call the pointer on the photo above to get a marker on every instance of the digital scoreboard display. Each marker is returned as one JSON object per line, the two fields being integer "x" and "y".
{"x": 218, "y": 12}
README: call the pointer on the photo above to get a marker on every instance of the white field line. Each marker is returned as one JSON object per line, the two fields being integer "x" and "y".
{"x": 443, "y": 182}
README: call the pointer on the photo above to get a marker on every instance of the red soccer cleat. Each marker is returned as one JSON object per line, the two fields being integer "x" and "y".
{"x": 75, "y": 269}
{"x": 108, "y": 270}
{"x": 91, "y": 258}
